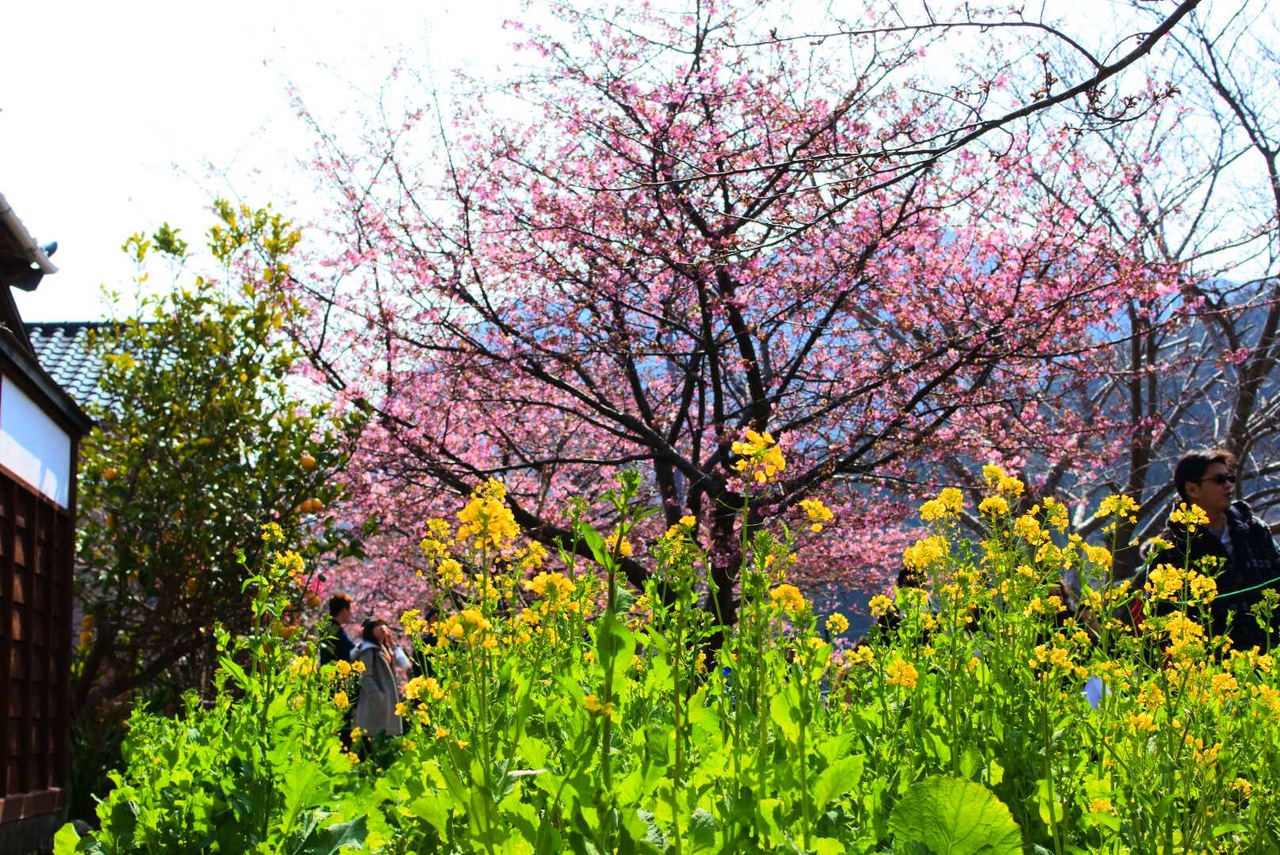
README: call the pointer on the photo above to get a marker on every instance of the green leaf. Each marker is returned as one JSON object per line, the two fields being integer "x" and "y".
{"x": 782, "y": 712}
{"x": 956, "y": 817}
{"x": 340, "y": 835}
{"x": 67, "y": 841}
{"x": 828, "y": 846}
{"x": 302, "y": 786}
{"x": 1050, "y": 808}
{"x": 767, "y": 822}
{"x": 840, "y": 777}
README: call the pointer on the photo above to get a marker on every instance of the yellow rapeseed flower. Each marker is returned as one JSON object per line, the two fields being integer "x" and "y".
{"x": 341, "y": 701}
{"x": 486, "y": 520}
{"x": 593, "y": 706}
{"x": 449, "y": 573}
{"x": 879, "y": 605}
{"x": 948, "y": 505}
{"x": 759, "y": 457}
{"x": 1097, "y": 555}
{"x": 789, "y": 599}
{"x": 926, "y": 552}
{"x": 473, "y": 621}
{"x": 272, "y": 533}
{"x": 1101, "y": 806}
{"x": 899, "y": 672}
{"x": 533, "y": 555}
{"x": 552, "y": 586}
{"x": 817, "y": 513}
{"x": 621, "y": 545}
{"x": 1143, "y": 722}
{"x": 1189, "y": 515}
{"x": 994, "y": 506}
{"x": 837, "y": 624}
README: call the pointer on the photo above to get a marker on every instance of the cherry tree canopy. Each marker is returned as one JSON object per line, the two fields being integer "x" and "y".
{"x": 695, "y": 224}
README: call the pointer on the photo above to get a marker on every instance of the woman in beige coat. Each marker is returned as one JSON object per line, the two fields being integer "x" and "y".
{"x": 379, "y": 688}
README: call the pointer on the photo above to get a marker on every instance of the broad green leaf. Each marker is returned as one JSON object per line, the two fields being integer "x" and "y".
{"x": 828, "y": 846}
{"x": 66, "y": 841}
{"x": 1047, "y": 804}
{"x": 341, "y": 835}
{"x": 953, "y": 816}
{"x": 782, "y": 712}
{"x": 702, "y": 829}
{"x": 840, "y": 777}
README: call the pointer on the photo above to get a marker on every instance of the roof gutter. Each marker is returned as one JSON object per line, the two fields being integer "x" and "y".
{"x": 31, "y": 251}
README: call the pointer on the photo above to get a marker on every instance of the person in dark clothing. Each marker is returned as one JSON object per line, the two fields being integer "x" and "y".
{"x": 335, "y": 644}
{"x": 1235, "y": 546}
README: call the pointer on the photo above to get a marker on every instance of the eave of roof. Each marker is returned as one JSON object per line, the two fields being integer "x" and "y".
{"x": 22, "y": 241}
{"x": 20, "y": 353}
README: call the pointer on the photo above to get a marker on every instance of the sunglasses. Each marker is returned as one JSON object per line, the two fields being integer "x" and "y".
{"x": 1219, "y": 479}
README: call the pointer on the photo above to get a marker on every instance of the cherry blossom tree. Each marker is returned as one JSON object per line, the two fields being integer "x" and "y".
{"x": 694, "y": 225}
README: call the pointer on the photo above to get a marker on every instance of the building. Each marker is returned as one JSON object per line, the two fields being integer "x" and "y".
{"x": 40, "y": 432}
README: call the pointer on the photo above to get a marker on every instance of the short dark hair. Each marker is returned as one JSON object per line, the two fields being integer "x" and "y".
{"x": 1192, "y": 466}
{"x": 338, "y": 602}
{"x": 367, "y": 628}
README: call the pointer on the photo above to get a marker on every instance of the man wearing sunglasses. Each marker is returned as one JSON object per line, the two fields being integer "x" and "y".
{"x": 1238, "y": 541}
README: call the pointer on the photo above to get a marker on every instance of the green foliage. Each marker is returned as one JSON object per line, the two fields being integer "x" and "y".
{"x": 558, "y": 716}
{"x": 205, "y": 435}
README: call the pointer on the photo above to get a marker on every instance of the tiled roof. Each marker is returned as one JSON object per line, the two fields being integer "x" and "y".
{"x": 60, "y": 347}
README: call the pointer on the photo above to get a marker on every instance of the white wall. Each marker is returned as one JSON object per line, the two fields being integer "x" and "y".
{"x": 33, "y": 446}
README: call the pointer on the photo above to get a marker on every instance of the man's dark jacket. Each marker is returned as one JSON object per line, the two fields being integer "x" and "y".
{"x": 335, "y": 644}
{"x": 1252, "y": 567}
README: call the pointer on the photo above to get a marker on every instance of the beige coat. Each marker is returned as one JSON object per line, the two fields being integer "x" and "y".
{"x": 379, "y": 693}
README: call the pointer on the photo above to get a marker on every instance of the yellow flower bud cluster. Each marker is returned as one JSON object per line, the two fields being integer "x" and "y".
{"x": 486, "y": 521}
{"x": 947, "y": 506}
{"x": 837, "y": 624}
{"x": 926, "y": 552}
{"x": 817, "y": 513}
{"x": 1188, "y": 515}
{"x": 1119, "y": 508}
{"x": 899, "y": 672}
{"x": 789, "y": 599}
{"x": 758, "y": 457}
{"x": 1001, "y": 483}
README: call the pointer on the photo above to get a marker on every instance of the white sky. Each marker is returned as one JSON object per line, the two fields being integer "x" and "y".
{"x": 115, "y": 117}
